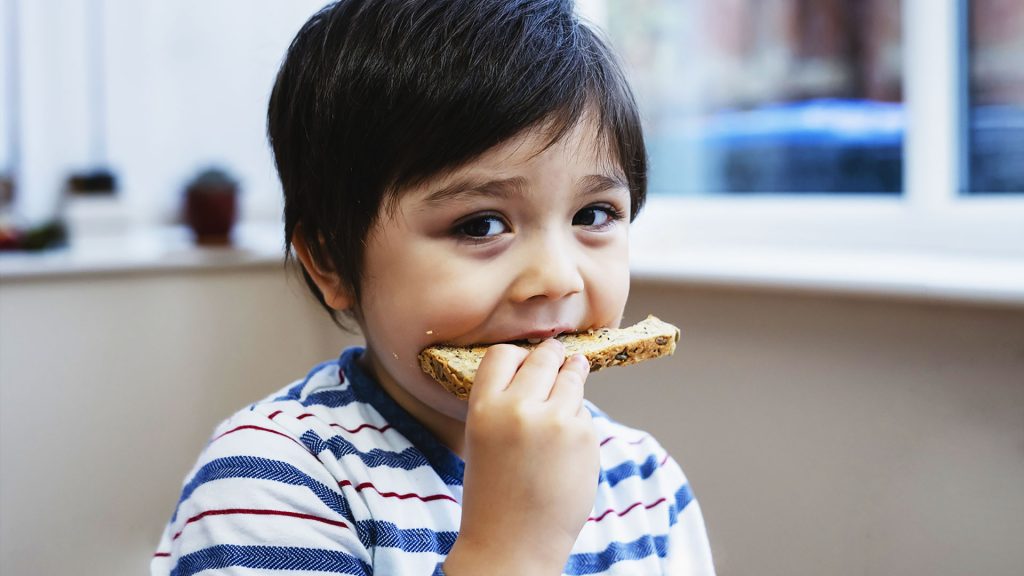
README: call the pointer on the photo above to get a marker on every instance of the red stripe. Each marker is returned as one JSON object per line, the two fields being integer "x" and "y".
{"x": 364, "y": 485}
{"x": 383, "y": 428}
{"x": 161, "y": 555}
{"x": 634, "y": 442}
{"x": 262, "y": 429}
{"x": 274, "y": 414}
{"x": 349, "y": 430}
{"x": 626, "y": 511}
{"x": 257, "y": 512}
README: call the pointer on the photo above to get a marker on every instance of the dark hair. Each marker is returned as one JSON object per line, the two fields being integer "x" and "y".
{"x": 377, "y": 95}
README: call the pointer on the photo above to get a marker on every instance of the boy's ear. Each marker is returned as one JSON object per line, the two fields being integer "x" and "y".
{"x": 336, "y": 295}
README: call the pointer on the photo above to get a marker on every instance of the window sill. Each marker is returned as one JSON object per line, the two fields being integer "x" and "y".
{"x": 888, "y": 274}
{"x": 147, "y": 250}
{"x": 908, "y": 275}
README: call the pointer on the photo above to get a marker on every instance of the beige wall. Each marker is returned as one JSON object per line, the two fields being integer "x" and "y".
{"x": 828, "y": 436}
{"x": 822, "y": 435}
{"x": 109, "y": 387}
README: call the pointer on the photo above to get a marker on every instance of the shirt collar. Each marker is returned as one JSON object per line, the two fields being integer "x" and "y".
{"x": 366, "y": 389}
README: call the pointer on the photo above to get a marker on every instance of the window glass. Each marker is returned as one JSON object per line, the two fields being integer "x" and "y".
{"x": 8, "y": 102}
{"x": 996, "y": 96}
{"x": 766, "y": 96}
{"x": 154, "y": 92}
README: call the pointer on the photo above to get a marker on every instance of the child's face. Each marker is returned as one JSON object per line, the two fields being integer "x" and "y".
{"x": 520, "y": 243}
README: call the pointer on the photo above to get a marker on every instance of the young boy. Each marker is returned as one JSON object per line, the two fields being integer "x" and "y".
{"x": 461, "y": 172}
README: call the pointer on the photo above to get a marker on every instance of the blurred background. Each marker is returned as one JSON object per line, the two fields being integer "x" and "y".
{"x": 835, "y": 220}
{"x": 807, "y": 96}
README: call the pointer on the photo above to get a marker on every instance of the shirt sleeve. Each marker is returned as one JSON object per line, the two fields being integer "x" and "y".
{"x": 689, "y": 551}
{"x": 258, "y": 502}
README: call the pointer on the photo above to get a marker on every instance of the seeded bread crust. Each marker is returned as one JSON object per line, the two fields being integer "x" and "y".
{"x": 455, "y": 367}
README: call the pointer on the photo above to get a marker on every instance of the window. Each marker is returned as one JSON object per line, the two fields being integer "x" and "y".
{"x": 154, "y": 91}
{"x": 995, "y": 71}
{"x": 860, "y": 124}
{"x": 832, "y": 124}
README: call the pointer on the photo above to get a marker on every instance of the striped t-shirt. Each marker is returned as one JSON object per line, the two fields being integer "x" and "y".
{"x": 332, "y": 476}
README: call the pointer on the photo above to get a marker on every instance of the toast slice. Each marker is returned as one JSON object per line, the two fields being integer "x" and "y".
{"x": 455, "y": 367}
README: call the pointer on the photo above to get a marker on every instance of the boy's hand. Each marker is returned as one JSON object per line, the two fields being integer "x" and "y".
{"x": 532, "y": 463}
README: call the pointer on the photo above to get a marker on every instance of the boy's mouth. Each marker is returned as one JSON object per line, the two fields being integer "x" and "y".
{"x": 537, "y": 336}
{"x": 533, "y": 336}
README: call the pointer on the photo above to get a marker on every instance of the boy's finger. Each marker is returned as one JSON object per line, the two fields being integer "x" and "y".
{"x": 537, "y": 374}
{"x": 499, "y": 365}
{"x": 567, "y": 392}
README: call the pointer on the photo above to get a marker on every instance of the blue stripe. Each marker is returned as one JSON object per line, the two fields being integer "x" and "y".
{"x": 332, "y": 398}
{"x": 408, "y": 459}
{"x": 417, "y": 540}
{"x": 263, "y": 469}
{"x": 270, "y": 558}
{"x": 370, "y": 532}
{"x": 596, "y": 562}
{"x": 643, "y": 547}
{"x": 683, "y": 498}
{"x": 295, "y": 392}
{"x": 628, "y": 469}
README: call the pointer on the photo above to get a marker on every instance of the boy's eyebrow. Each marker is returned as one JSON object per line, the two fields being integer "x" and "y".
{"x": 508, "y": 187}
{"x": 459, "y": 189}
{"x": 598, "y": 183}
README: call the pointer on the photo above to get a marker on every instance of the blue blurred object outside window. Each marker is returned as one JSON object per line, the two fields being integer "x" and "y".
{"x": 812, "y": 146}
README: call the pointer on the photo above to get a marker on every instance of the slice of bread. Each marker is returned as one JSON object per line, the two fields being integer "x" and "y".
{"x": 455, "y": 367}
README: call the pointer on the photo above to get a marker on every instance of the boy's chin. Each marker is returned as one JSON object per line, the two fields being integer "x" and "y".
{"x": 436, "y": 397}
{"x": 414, "y": 390}
{"x": 453, "y": 408}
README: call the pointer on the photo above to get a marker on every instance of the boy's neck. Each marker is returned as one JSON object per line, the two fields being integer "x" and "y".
{"x": 449, "y": 431}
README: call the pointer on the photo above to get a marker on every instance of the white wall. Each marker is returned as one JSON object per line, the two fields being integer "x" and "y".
{"x": 821, "y": 435}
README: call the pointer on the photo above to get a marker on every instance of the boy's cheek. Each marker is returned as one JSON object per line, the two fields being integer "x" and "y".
{"x": 427, "y": 313}
{"x": 608, "y": 283}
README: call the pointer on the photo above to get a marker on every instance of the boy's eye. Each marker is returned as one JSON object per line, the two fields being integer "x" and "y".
{"x": 596, "y": 216}
{"x": 482, "y": 227}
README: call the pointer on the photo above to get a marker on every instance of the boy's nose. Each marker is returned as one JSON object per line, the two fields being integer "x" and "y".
{"x": 549, "y": 270}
